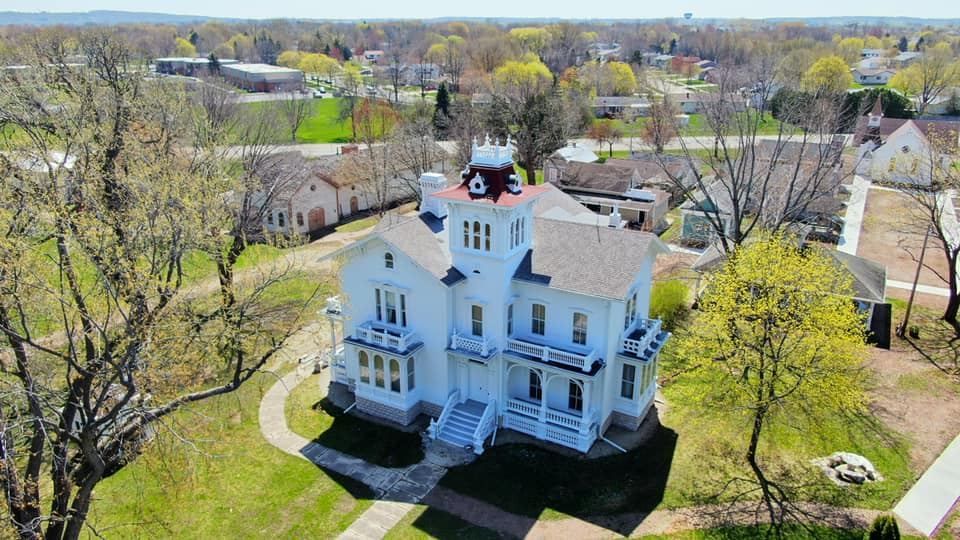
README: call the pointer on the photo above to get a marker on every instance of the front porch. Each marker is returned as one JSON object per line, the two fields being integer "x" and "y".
{"x": 552, "y": 406}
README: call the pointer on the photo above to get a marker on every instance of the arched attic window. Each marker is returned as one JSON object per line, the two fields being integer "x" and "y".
{"x": 388, "y": 260}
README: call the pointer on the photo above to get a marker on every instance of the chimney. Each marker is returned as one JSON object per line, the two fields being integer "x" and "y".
{"x": 430, "y": 184}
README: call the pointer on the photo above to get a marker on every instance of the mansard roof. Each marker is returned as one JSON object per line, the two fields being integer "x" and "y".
{"x": 423, "y": 239}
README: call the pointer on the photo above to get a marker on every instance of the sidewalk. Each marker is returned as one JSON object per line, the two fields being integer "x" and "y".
{"x": 853, "y": 219}
{"x": 930, "y": 500}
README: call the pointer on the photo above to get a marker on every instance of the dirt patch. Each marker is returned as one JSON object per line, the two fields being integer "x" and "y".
{"x": 892, "y": 235}
{"x": 917, "y": 400}
{"x": 931, "y": 301}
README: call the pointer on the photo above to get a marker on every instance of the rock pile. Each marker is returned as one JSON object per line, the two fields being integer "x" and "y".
{"x": 845, "y": 468}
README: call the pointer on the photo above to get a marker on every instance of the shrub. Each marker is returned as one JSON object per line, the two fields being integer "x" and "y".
{"x": 883, "y": 528}
{"x": 668, "y": 301}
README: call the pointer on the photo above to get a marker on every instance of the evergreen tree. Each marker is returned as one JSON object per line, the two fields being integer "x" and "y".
{"x": 883, "y": 528}
{"x": 214, "y": 65}
{"x": 441, "y": 112}
{"x": 902, "y": 45}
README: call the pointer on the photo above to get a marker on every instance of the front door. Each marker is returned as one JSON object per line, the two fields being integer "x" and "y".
{"x": 315, "y": 219}
{"x": 354, "y": 205}
{"x": 477, "y": 387}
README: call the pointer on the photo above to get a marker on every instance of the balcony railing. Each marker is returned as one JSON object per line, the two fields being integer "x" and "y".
{"x": 473, "y": 344}
{"x": 581, "y": 361}
{"x": 551, "y": 416}
{"x": 394, "y": 338}
{"x": 579, "y": 437}
{"x": 639, "y": 336}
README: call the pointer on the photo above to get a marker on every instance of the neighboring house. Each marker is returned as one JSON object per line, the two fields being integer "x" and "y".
{"x": 373, "y": 56}
{"x": 695, "y": 102}
{"x": 555, "y": 165}
{"x": 872, "y": 53}
{"x": 906, "y": 58}
{"x": 898, "y": 150}
{"x": 662, "y": 61}
{"x": 263, "y": 77}
{"x": 623, "y": 107}
{"x": 868, "y": 282}
{"x": 323, "y": 196}
{"x": 872, "y": 63}
{"x": 802, "y": 179}
{"x": 484, "y": 313}
{"x": 619, "y": 187}
{"x": 873, "y": 76}
{"x": 415, "y": 73}
{"x": 604, "y": 52}
{"x": 707, "y": 64}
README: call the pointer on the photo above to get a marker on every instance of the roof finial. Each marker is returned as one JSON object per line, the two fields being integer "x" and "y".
{"x": 487, "y": 142}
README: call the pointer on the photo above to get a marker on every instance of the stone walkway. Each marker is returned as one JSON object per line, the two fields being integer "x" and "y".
{"x": 396, "y": 489}
{"x": 930, "y": 500}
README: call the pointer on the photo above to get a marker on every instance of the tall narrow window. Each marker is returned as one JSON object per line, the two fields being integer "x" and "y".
{"x": 411, "y": 378}
{"x": 476, "y": 317}
{"x": 300, "y": 219}
{"x": 378, "y": 371}
{"x": 486, "y": 237}
{"x": 536, "y": 387}
{"x": 364, "y": 367}
{"x": 394, "y": 375}
{"x": 280, "y": 220}
{"x": 466, "y": 234}
{"x": 538, "y": 321}
{"x": 476, "y": 235}
{"x": 388, "y": 260}
{"x": 510, "y": 320}
{"x": 628, "y": 380}
{"x": 580, "y": 328}
{"x": 516, "y": 232}
{"x": 513, "y": 227}
{"x": 269, "y": 218}
{"x": 575, "y": 397}
{"x": 379, "y": 305}
{"x": 626, "y": 314}
{"x": 390, "y": 299}
{"x": 523, "y": 230}
{"x": 403, "y": 310}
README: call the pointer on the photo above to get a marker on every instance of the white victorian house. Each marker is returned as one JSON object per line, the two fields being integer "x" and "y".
{"x": 501, "y": 305}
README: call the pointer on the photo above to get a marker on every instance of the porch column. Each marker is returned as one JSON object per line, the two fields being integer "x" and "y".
{"x": 333, "y": 336}
{"x": 587, "y": 408}
{"x": 544, "y": 385}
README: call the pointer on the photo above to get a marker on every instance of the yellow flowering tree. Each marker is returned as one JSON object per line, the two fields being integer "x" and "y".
{"x": 778, "y": 337}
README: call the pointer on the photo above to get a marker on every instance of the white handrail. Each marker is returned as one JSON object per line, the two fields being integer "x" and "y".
{"x": 447, "y": 408}
{"x": 485, "y": 426}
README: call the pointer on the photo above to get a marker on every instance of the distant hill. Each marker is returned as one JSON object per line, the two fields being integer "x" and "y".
{"x": 99, "y": 17}
{"x": 103, "y": 17}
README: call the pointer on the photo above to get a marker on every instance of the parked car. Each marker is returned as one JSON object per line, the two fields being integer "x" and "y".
{"x": 320, "y": 92}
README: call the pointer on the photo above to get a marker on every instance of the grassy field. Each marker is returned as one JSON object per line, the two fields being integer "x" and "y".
{"x": 323, "y": 127}
{"x": 358, "y": 224}
{"x": 697, "y": 126}
{"x": 228, "y": 482}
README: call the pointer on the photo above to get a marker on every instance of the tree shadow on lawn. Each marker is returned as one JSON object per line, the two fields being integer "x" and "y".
{"x": 367, "y": 440}
{"x": 615, "y": 492}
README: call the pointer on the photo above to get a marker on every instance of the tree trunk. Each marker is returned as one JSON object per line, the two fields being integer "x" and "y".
{"x": 768, "y": 497}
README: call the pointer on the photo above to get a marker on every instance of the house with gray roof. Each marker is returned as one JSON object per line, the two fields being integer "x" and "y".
{"x": 499, "y": 306}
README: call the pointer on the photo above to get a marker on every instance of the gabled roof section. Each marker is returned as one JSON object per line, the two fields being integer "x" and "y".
{"x": 585, "y": 259}
{"x": 423, "y": 239}
{"x": 869, "y": 278}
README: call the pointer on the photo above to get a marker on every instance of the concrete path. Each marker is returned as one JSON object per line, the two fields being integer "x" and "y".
{"x": 926, "y": 289}
{"x": 930, "y": 500}
{"x": 396, "y": 489}
{"x": 853, "y": 219}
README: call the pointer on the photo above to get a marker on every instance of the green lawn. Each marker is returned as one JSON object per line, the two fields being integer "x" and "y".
{"x": 358, "y": 224}
{"x": 688, "y": 459}
{"x": 230, "y": 482}
{"x": 323, "y": 127}
{"x": 321, "y": 420}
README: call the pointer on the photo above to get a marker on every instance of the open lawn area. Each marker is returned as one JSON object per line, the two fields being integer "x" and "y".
{"x": 323, "y": 127}
{"x": 228, "y": 482}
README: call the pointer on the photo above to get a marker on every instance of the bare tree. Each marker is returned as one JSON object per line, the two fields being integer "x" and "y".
{"x": 661, "y": 127}
{"x": 296, "y": 110}
{"x": 100, "y": 207}
{"x": 756, "y": 182}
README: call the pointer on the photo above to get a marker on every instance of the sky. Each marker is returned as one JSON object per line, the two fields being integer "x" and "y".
{"x": 627, "y": 9}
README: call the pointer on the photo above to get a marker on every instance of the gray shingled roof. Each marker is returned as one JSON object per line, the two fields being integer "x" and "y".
{"x": 585, "y": 259}
{"x": 869, "y": 278}
{"x": 423, "y": 239}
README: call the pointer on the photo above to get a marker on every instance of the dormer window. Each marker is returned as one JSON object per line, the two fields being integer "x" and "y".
{"x": 388, "y": 260}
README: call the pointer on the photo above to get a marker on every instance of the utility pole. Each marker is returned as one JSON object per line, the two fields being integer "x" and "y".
{"x": 902, "y": 330}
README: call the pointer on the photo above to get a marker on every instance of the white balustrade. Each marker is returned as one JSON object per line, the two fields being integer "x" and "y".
{"x": 476, "y": 345}
{"x": 394, "y": 339}
{"x": 563, "y": 419}
{"x": 545, "y": 353}
{"x": 522, "y": 407}
{"x": 636, "y": 347}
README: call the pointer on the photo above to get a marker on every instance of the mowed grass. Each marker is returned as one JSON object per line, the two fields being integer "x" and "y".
{"x": 357, "y": 224}
{"x": 228, "y": 482}
{"x": 689, "y": 459}
{"x": 323, "y": 126}
{"x": 311, "y": 415}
